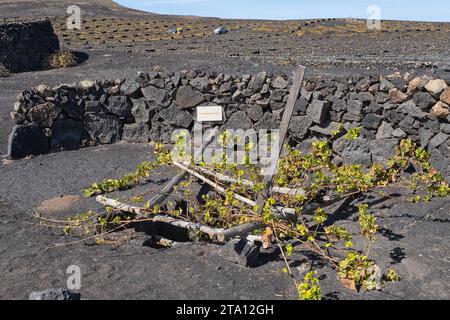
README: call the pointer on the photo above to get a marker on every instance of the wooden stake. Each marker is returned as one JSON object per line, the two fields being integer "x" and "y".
{"x": 224, "y": 178}
{"x": 284, "y": 126}
{"x": 280, "y": 211}
{"x": 214, "y": 233}
{"x": 138, "y": 211}
{"x": 213, "y": 184}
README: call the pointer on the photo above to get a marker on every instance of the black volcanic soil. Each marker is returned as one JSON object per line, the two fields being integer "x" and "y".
{"x": 316, "y": 43}
{"x": 414, "y": 239}
{"x": 322, "y": 44}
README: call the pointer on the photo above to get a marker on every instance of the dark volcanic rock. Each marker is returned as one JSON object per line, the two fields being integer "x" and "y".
{"x": 381, "y": 97}
{"x": 374, "y": 107}
{"x": 65, "y": 99}
{"x": 371, "y": 121}
{"x": 259, "y": 81}
{"x": 241, "y": 252}
{"x": 255, "y": 112}
{"x": 355, "y": 107}
{"x": 318, "y": 111}
{"x": 267, "y": 121}
{"x": 27, "y": 140}
{"x": 258, "y": 103}
{"x": 384, "y": 131}
{"x": 237, "y": 95}
{"x": 187, "y": 97}
{"x": 201, "y": 84}
{"x": 92, "y": 106}
{"x": 353, "y": 151}
{"x": 143, "y": 79}
{"x": 141, "y": 112}
{"x": 339, "y": 105}
{"x": 18, "y": 118}
{"x": 136, "y": 133}
{"x": 299, "y": 126}
{"x": 27, "y": 99}
{"x": 407, "y": 125}
{"x": 424, "y": 100}
{"x": 156, "y": 95}
{"x": 411, "y": 109}
{"x": 239, "y": 120}
{"x": 277, "y": 95}
{"x": 302, "y": 105}
{"x": 159, "y": 83}
{"x": 327, "y": 129}
{"x": 382, "y": 150}
{"x": 55, "y": 295}
{"x": 363, "y": 84}
{"x": 399, "y": 133}
{"x": 440, "y": 162}
{"x": 131, "y": 89}
{"x": 176, "y": 117}
{"x": 24, "y": 46}
{"x": 425, "y": 136}
{"x": 280, "y": 83}
{"x": 445, "y": 149}
{"x": 365, "y": 97}
{"x": 274, "y": 105}
{"x": 445, "y": 128}
{"x": 386, "y": 85}
{"x": 103, "y": 129}
{"x": 44, "y": 115}
{"x": 437, "y": 140}
{"x": 119, "y": 106}
{"x": 161, "y": 132}
{"x": 67, "y": 134}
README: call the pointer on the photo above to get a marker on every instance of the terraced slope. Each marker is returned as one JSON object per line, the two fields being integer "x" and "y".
{"x": 330, "y": 43}
{"x": 318, "y": 43}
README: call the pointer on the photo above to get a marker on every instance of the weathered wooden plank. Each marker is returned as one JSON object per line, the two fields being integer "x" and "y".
{"x": 283, "y": 130}
{"x": 224, "y": 178}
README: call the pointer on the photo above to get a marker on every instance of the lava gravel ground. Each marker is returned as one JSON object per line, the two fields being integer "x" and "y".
{"x": 414, "y": 238}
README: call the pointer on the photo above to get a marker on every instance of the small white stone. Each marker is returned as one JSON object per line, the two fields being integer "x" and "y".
{"x": 435, "y": 87}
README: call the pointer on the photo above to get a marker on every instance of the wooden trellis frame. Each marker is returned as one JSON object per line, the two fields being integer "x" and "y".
{"x": 244, "y": 230}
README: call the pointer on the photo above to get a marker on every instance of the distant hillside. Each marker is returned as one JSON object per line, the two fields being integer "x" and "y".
{"x": 57, "y": 8}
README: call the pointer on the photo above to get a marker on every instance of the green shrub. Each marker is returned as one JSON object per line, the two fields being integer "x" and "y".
{"x": 4, "y": 71}
{"x": 62, "y": 59}
{"x": 320, "y": 179}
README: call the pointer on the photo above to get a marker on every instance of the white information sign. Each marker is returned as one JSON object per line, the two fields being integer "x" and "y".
{"x": 210, "y": 114}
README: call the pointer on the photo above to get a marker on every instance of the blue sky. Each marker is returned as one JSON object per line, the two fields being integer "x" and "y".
{"x": 423, "y": 10}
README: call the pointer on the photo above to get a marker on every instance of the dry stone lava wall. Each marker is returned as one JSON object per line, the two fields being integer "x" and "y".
{"x": 152, "y": 106}
{"x": 25, "y": 45}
